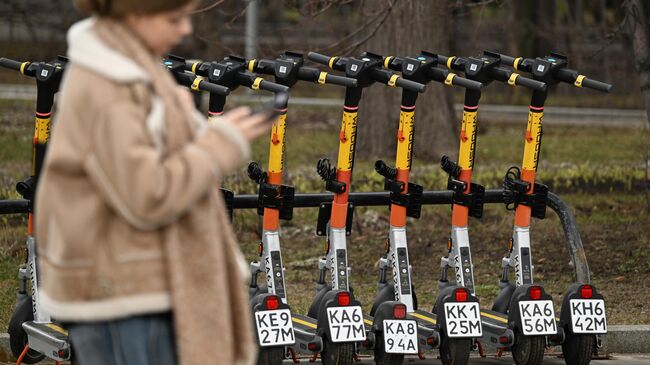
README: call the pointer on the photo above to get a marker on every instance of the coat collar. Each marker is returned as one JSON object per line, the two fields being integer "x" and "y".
{"x": 88, "y": 50}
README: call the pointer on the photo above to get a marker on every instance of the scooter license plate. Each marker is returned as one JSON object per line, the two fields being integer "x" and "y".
{"x": 537, "y": 317}
{"x": 400, "y": 336}
{"x": 463, "y": 320}
{"x": 346, "y": 324}
{"x": 588, "y": 316}
{"x": 274, "y": 328}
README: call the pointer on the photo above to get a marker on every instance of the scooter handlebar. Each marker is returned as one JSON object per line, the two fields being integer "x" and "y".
{"x": 340, "y": 80}
{"x": 466, "y": 83}
{"x": 319, "y": 58}
{"x": 8, "y": 63}
{"x": 530, "y": 83}
{"x": 597, "y": 85}
{"x": 573, "y": 77}
{"x": 273, "y": 87}
{"x": 410, "y": 85}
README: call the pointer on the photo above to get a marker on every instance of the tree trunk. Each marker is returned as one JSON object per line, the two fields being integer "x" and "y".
{"x": 412, "y": 26}
{"x": 637, "y": 24}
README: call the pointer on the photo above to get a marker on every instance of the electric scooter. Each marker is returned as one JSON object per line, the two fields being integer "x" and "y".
{"x": 32, "y": 334}
{"x": 272, "y": 314}
{"x": 405, "y": 196}
{"x": 275, "y": 200}
{"x": 468, "y": 198}
{"x": 339, "y": 315}
{"x": 582, "y": 317}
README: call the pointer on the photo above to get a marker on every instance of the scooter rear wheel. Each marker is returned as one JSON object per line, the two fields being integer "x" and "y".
{"x": 529, "y": 350}
{"x": 578, "y": 349}
{"x": 383, "y": 358}
{"x": 17, "y": 336}
{"x": 455, "y": 351}
{"x": 337, "y": 353}
{"x": 271, "y": 356}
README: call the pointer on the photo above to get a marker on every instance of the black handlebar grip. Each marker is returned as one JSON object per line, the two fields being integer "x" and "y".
{"x": 507, "y": 60}
{"x": 597, "y": 85}
{"x": 530, "y": 83}
{"x": 213, "y": 88}
{"x": 410, "y": 85}
{"x": 14, "y": 65}
{"x": 273, "y": 87}
{"x": 340, "y": 80}
{"x": 443, "y": 60}
{"x": 319, "y": 58}
{"x": 466, "y": 83}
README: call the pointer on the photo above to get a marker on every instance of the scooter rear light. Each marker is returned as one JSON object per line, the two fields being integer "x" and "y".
{"x": 504, "y": 340}
{"x": 461, "y": 295}
{"x": 312, "y": 346}
{"x": 272, "y": 302}
{"x": 535, "y": 292}
{"x": 399, "y": 311}
{"x": 432, "y": 341}
{"x": 586, "y": 292}
{"x": 343, "y": 298}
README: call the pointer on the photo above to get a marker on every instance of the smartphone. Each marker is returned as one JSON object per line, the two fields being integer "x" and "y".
{"x": 273, "y": 107}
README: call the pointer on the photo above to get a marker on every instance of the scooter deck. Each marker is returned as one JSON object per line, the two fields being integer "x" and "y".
{"x": 423, "y": 318}
{"x": 304, "y": 323}
{"x": 48, "y": 339}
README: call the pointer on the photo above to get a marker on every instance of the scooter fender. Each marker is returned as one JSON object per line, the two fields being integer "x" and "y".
{"x": 574, "y": 293}
{"x": 258, "y": 303}
{"x": 328, "y": 301}
{"x": 448, "y": 295}
{"x": 384, "y": 311}
{"x": 521, "y": 293}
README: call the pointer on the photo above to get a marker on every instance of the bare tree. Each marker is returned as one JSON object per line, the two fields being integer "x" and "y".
{"x": 411, "y": 26}
{"x": 637, "y": 27}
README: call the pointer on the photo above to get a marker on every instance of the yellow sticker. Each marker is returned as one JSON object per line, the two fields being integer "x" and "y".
{"x": 533, "y": 140}
{"x": 276, "y": 149}
{"x": 347, "y": 139}
{"x": 42, "y": 130}
{"x": 405, "y": 140}
{"x": 467, "y": 140}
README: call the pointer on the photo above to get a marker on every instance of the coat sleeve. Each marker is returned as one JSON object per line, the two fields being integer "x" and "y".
{"x": 148, "y": 188}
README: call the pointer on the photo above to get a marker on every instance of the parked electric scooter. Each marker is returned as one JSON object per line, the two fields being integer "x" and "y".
{"x": 468, "y": 201}
{"x": 275, "y": 200}
{"x": 455, "y": 344}
{"x": 339, "y": 315}
{"x": 582, "y": 316}
{"x": 32, "y": 334}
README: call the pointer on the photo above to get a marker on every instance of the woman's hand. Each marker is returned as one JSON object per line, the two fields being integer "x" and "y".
{"x": 186, "y": 98}
{"x": 251, "y": 126}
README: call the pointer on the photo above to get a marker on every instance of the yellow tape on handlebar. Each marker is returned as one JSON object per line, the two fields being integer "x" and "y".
{"x": 322, "y": 77}
{"x": 251, "y": 65}
{"x": 194, "y": 67}
{"x": 331, "y": 62}
{"x": 387, "y": 61}
{"x": 195, "y": 84}
{"x": 579, "y": 80}
{"x": 450, "y": 79}
{"x": 23, "y": 66}
{"x": 513, "y": 79}
{"x": 256, "y": 83}
{"x": 393, "y": 80}
{"x": 450, "y": 60}
{"x": 516, "y": 63}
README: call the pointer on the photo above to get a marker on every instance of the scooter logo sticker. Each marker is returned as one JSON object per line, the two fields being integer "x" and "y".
{"x": 347, "y": 141}
{"x": 405, "y": 144}
{"x": 354, "y": 68}
{"x": 533, "y": 141}
{"x": 540, "y": 68}
{"x": 283, "y": 69}
{"x": 473, "y": 67}
{"x": 42, "y": 130}
{"x": 409, "y": 67}
{"x": 216, "y": 73}
{"x": 44, "y": 73}
{"x": 276, "y": 150}
{"x": 467, "y": 140}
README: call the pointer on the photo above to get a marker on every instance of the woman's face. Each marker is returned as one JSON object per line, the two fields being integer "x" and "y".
{"x": 162, "y": 31}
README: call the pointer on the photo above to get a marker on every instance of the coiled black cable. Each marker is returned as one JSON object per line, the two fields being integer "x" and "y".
{"x": 510, "y": 187}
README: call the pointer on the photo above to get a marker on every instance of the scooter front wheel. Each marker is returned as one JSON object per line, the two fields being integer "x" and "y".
{"x": 337, "y": 353}
{"x": 455, "y": 351}
{"x": 270, "y": 356}
{"x": 383, "y": 358}
{"x": 529, "y": 350}
{"x": 17, "y": 336}
{"x": 578, "y": 349}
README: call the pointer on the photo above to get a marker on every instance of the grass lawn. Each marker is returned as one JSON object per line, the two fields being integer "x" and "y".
{"x": 595, "y": 170}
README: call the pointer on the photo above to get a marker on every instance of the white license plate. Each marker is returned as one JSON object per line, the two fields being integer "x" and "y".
{"x": 463, "y": 320}
{"x": 346, "y": 324}
{"x": 274, "y": 328}
{"x": 400, "y": 336}
{"x": 537, "y": 317}
{"x": 588, "y": 316}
